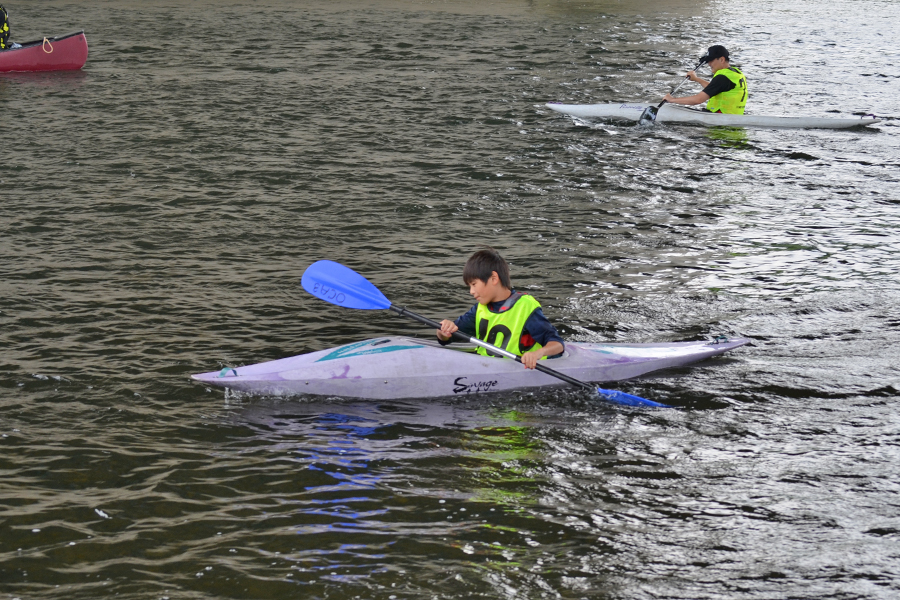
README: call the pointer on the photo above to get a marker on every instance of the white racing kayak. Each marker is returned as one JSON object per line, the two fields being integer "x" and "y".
{"x": 401, "y": 367}
{"x": 672, "y": 113}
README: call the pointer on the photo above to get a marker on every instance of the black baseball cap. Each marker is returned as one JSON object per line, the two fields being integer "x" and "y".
{"x": 714, "y": 52}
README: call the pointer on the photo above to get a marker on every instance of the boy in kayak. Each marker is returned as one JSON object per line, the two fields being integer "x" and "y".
{"x": 503, "y": 317}
{"x": 726, "y": 93}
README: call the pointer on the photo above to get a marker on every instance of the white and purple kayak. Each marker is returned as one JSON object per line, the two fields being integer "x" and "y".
{"x": 401, "y": 367}
{"x": 672, "y": 113}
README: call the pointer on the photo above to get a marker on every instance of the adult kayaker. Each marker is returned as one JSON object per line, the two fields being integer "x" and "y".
{"x": 726, "y": 93}
{"x": 503, "y": 317}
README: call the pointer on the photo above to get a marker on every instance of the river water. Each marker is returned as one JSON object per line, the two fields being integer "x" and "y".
{"x": 159, "y": 207}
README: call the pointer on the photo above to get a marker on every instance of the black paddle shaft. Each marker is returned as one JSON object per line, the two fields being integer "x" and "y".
{"x": 683, "y": 81}
{"x": 649, "y": 113}
{"x": 461, "y": 336}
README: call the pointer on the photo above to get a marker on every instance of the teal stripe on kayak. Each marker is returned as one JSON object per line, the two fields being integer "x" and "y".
{"x": 348, "y": 351}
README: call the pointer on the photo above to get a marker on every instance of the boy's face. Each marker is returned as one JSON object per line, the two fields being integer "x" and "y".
{"x": 717, "y": 64}
{"x": 488, "y": 291}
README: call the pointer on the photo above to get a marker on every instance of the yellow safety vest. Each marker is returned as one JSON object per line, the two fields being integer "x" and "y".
{"x": 734, "y": 100}
{"x": 504, "y": 328}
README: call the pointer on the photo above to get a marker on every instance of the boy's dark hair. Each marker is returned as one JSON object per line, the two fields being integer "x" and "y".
{"x": 481, "y": 264}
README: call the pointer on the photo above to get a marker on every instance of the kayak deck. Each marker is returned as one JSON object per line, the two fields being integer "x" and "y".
{"x": 671, "y": 113}
{"x": 401, "y": 367}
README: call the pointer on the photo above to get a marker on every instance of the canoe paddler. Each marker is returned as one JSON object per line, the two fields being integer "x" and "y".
{"x": 5, "y": 44}
{"x": 503, "y": 317}
{"x": 4, "y": 28}
{"x": 726, "y": 93}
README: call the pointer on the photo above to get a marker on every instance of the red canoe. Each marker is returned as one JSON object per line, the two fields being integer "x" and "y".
{"x": 62, "y": 53}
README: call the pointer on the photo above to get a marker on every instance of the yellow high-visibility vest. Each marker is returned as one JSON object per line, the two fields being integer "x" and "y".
{"x": 734, "y": 100}
{"x": 504, "y": 328}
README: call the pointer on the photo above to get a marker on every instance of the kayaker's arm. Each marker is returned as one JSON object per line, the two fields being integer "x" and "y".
{"x": 447, "y": 329}
{"x": 719, "y": 84}
{"x": 693, "y": 77}
{"x": 544, "y": 333}
{"x": 530, "y": 359}
{"x": 464, "y": 324}
{"x": 698, "y": 98}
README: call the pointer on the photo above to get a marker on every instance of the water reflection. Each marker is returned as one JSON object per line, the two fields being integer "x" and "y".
{"x": 25, "y": 83}
{"x": 356, "y": 445}
{"x": 731, "y": 137}
{"x": 451, "y": 484}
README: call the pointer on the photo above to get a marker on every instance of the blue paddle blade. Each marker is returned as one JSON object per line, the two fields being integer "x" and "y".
{"x": 617, "y": 397}
{"x": 335, "y": 283}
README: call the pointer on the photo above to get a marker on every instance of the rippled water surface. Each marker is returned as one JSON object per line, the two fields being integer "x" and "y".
{"x": 159, "y": 207}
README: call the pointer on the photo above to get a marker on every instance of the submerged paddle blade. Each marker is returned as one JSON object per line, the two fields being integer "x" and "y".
{"x": 648, "y": 116}
{"x": 617, "y": 397}
{"x": 335, "y": 283}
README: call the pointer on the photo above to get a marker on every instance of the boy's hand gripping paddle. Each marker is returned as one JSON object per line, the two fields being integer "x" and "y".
{"x": 340, "y": 285}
